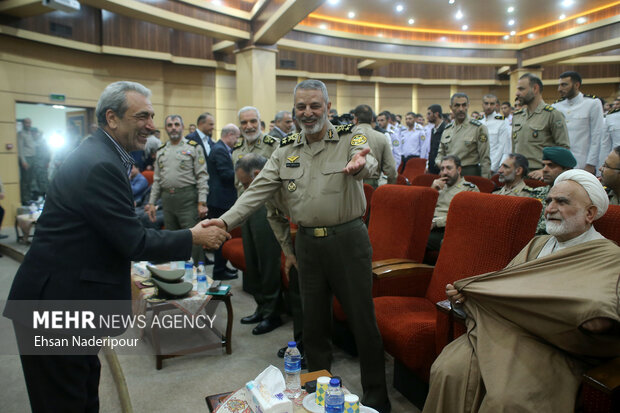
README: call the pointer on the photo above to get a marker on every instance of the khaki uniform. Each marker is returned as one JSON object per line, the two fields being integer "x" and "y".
{"x": 332, "y": 245}
{"x": 541, "y": 194}
{"x": 380, "y": 149}
{"x": 519, "y": 190}
{"x": 531, "y": 132}
{"x": 470, "y": 142}
{"x": 264, "y": 146}
{"x": 445, "y": 197}
{"x": 181, "y": 179}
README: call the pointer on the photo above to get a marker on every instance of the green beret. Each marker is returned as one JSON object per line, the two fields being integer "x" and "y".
{"x": 560, "y": 156}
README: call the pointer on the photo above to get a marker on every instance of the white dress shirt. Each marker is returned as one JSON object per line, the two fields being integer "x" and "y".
{"x": 500, "y": 144}
{"x": 611, "y": 137}
{"x": 205, "y": 141}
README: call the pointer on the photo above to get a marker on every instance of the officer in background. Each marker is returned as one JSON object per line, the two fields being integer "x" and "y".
{"x": 584, "y": 121}
{"x": 610, "y": 176}
{"x": 449, "y": 183}
{"x": 379, "y": 146}
{"x": 252, "y": 140}
{"x": 181, "y": 179}
{"x": 500, "y": 144}
{"x": 283, "y": 124}
{"x": 611, "y": 137}
{"x": 320, "y": 172}
{"x": 27, "y": 150}
{"x": 466, "y": 138}
{"x": 511, "y": 173}
{"x": 436, "y": 124}
{"x": 412, "y": 139}
{"x": 536, "y": 125}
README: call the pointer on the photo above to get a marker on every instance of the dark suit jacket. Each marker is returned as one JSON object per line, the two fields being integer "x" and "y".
{"x": 277, "y": 134}
{"x": 88, "y": 233}
{"x": 222, "y": 192}
{"x": 432, "y": 155}
{"x": 194, "y": 136}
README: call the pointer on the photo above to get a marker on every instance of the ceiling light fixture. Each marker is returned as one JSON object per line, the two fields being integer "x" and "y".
{"x": 567, "y": 3}
{"x": 380, "y": 34}
{"x": 581, "y": 20}
{"x": 351, "y": 14}
{"x": 506, "y": 37}
{"x": 511, "y": 22}
{"x": 450, "y": 1}
{"x": 465, "y": 27}
{"x": 323, "y": 26}
{"x": 411, "y": 21}
{"x": 512, "y": 33}
{"x": 562, "y": 16}
{"x": 459, "y": 15}
{"x": 530, "y": 36}
{"x": 217, "y": 2}
{"x": 510, "y": 9}
{"x": 399, "y": 8}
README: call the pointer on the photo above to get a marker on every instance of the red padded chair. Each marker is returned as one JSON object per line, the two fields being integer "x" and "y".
{"x": 368, "y": 191}
{"x": 414, "y": 332}
{"x": 149, "y": 176}
{"x": 424, "y": 180}
{"x": 401, "y": 180}
{"x": 484, "y": 184}
{"x": 414, "y": 167}
{"x": 534, "y": 183}
{"x": 496, "y": 182}
{"x": 232, "y": 250}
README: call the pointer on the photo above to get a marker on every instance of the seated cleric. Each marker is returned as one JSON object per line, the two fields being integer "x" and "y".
{"x": 535, "y": 326}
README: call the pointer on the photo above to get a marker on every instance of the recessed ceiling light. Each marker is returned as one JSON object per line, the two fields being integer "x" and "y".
{"x": 511, "y": 22}
{"x": 411, "y": 21}
{"x": 333, "y": 2}
{"x": 581, "y": 20}
{"x": 510, "y": 9}
{"x": 351, "y": 14}
{"x": 562, "y": 16}
{"x": 512, "y": 33}
{"x": 442, "y": 39}
{"x": 380, "y": 35}
{"x": 217, "y": 2}
{"x": 530, "y": 36}
{"x": 323, "y": 26}
{"x": 459, "y": 15}
{"x": 465, "y": 27}
{"x": 567, "y": 3}
{"x": 506, "y": 37}
{"x": 400, "y": 8}
{"x": 450, "y": 1}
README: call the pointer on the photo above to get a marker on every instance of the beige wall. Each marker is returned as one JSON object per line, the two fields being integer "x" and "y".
{"x": 395, "y": 98}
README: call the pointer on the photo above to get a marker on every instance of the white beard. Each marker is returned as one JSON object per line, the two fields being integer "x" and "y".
{"x": 251, "y": 137}
{"x": 565, "y": 226}
{"x": 316, "y": 128}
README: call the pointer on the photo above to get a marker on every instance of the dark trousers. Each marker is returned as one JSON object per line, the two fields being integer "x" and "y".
{"x": 435, "y": 238}
{"x": 1, "y": 215}
{"x": 262, "y": 261}
{"x": 26, "y": 176}
{"x": 474, "y": 170}
{"x": 293, "y": 296}
{"x": 219, "y": 262}
{"x": 340, "y": 265}
{"x": 59, "y": 383}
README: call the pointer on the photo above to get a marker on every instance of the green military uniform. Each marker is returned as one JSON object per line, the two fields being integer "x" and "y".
{"x": 440, "y": 216}
{"x": 27, "y": 149}
{"x": 470, "y": 142}
{"x": 531, "y": 132}
{"x": 264, "y": 146}
{"x": 380, "y": 149}
{"x": 520, "y": 189}
{"x": 332, "y": 244}
{"x": 541, "y": 193}
{"x": 181, "y": 179}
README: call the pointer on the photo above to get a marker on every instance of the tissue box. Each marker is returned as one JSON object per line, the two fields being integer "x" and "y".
{"x": 259, "y": 403}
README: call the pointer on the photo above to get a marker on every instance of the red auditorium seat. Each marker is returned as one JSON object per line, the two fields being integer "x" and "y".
{"x": 414, "y": 167}
{"x": 414, "y": 332}
{"x": 149, "y": 176}
{"x": 534, "y": 183}
{"x": 368, "y": 191}
{"x": 424, "y": 180}
{"x": 401, "y": 180}
{"x": 484, "y": 184}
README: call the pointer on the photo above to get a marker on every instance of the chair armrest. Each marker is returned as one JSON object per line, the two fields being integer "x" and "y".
{"x": 390, "y": 261}
{"x": 605, "y": 377}
{"x": 446, "y": 308}
{"x": 402, "y": 279}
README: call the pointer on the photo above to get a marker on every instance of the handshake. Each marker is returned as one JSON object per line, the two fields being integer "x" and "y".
{"x": 210, "y": 233}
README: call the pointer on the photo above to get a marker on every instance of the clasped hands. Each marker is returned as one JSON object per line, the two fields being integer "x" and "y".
{"x": 210, "y": 233}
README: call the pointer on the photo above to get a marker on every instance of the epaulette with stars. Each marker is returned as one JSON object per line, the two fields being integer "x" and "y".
{"x": 192, "y": 142}
{"x": 289, "y": 139}
{"x": 343, "y": 129}
{"x": 500, "y": 117}
{"x": 613, "y": 111}
{"x": 518, "y": 112}
{"x": 549, "y": 108}
{"x": 590, "y": 96}
{"x": 469, "y": 184}
{"x": 559, "y": 100}
{"x": 238, "y": 144}
{"x": 475, "y": 122}
{"x": 449, "y": 125}
{"x": 269, "y": 140}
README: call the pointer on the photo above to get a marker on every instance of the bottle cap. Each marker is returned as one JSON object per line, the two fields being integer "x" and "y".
{"x": 334, "y": 382}
{"x": 201, "y": 263}
{"x": 292, "y": 344}
{"x": 188, "y": 265}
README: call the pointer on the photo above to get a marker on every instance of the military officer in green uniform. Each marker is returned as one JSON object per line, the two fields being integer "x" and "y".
{"x": 320, "y": 172}
{"x": 466, "y": 138}
{"x": 610, "y": 175}
{"x": 449, "y": 183}
{"x": 252, "y": 139}
{"x": 555, "y": 161}
{"x": 511, "y": 173}
{"x": 181, "y": 179}
{"x": 536, "y": 125}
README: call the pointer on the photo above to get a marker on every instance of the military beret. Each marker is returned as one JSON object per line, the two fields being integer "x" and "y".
{"x": 560, "y": 156}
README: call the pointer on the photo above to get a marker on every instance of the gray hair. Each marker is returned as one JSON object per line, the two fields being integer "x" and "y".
{"x": 247, "y": 109}
{"x": 228, "y": 129}
{"x": 114, "y": 97}
{"x": 458, "y": 95}
{"x": 251, "y": 162}
{"x": 152, "y": 144}
{"x": 280, "y": 115}
{"x": 312, "y": 84}
{"x": 173, "y": 117}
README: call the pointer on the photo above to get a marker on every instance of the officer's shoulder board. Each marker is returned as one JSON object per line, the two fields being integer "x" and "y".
{"x": 192, "y": 142}
{"x": 162, "y": 147}
{"x": 500, "y": 117}
{"x": 475, "y": 122}
{"x": 289, "y": 139}
{"x": 613, "y": 111}
{"x": 590, "y": 96}
{"x": 469, "y": 184}
{"x": 559, "y": 100}
{"x": 518, "y": 112}
{"x": 344, "y": 129}
{"x": 449, "y": 125}
{"x": 549, "y": 108}
{"x": 238, "y": 144}
{"x": 269, "y": 140}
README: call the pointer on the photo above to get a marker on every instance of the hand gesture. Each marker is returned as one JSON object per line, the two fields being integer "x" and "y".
{"x": 210, "y": 237}
{"x": 454, "y": 296}
{"x": 356, "y": 163}
{"x": 439, "y": 183}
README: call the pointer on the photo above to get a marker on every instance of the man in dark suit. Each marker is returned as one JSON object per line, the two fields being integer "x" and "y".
{"x": 86, "y": 238}
{"x": 434, "y": 117}
{"x": 283, "y": 125}
{"x": 202, "y": 134}
{"x": 222, "y": 191}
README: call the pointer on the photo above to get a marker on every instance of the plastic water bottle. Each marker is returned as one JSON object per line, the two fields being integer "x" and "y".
{"x": 292, "y": 370}
{"x": 334, "y": 402}
{"x": 201, "y": 281}
{"x": 189, "y": 273}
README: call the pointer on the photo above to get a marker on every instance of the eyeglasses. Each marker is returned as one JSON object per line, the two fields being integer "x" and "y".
{"x": 609, "y": 167}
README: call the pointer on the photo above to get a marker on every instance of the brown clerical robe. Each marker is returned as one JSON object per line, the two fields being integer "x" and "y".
{"x": 524, "y": 350}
